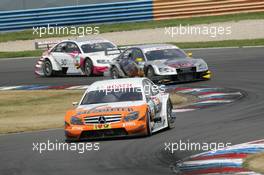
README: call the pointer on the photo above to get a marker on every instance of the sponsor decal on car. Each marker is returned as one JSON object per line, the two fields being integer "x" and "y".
{"x": 102, "y": 126}
{"x": 129, "y": 124}
{"x": 177, "y": 64}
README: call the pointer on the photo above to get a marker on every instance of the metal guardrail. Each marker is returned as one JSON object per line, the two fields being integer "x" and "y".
{"x": 140, "y": 10}
{"x": 8, "y": 5}
{"x": 127, "y": 11}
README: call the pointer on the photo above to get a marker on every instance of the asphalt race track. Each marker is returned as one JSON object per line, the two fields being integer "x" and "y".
{"x": 237, "y": 122}
{"x": 21, "y": 72}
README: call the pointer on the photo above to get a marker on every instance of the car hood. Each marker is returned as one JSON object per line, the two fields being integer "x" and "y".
{"x": 176, "y": 63}
{"x": 110, "y": 108}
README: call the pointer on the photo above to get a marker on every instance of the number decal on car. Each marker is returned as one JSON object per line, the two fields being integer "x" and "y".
{"x": 63, "y": 62}
{"x": 102, "y": 126}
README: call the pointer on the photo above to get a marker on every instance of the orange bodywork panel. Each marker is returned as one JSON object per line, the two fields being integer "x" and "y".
{"x": 122, "y": 127}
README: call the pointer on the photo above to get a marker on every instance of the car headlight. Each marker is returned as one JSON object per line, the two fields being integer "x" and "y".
{"x": 166, "y": 69}
{"x": 202, "y": 66}
{"x": 103, "y": 61}
{"x": 76, "y": 121}
{"x": 131, "y": 116}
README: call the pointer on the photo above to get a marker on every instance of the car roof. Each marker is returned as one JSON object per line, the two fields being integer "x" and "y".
{"x": 125, "y": 82}
{"x": 150, "y": 46}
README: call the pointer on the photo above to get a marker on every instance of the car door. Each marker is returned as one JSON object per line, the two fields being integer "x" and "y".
{"x": 127, "y": 63}
{"x": 72, "y": 57}
{"x": 59, "y": 54}
{"x": 153, "y": 99}
{"x": 63, "y": 53}
{"x": 139, "y": 60}
{"x": 160, "y": 98}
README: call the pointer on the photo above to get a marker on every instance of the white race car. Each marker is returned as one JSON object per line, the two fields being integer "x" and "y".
{"x": 81, "y": 56}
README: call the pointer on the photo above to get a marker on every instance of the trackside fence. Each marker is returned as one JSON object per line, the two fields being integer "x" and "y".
{"x": 127, "y": 11}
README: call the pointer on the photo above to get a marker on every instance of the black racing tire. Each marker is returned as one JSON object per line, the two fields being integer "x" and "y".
{"x": 88, "y": 67}
{"x": 169, "y": 115}
{"x": 114, "y": 73}
{"x": 148, "y": 124}
{"x": 150, "y": 73}
{"x": 47, "y": 69}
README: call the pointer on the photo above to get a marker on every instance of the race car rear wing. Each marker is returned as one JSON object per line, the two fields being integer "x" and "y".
{"x": 123, "y": 48}
{"x": 115, "y": 51}
{"x": 45, "y": 44}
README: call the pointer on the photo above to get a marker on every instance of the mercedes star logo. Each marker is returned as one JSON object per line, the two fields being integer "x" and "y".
{"x": 101, "y": 120}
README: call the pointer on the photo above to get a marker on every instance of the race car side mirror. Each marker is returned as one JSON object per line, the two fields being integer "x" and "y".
{"x": 190, "y": 54}
{"x": 74, "y": 103}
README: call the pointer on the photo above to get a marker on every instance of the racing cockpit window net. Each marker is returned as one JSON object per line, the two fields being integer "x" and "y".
{"x": 165, "y": 54}
{"x": 111, "y": 96}
{"x": 97, "y": 47}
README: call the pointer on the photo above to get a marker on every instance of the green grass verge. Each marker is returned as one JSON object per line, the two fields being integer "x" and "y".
{"x": 36, "y": 112}
{"x": 186, "y": 45}
{"x": 31, "y": 53}
{"x": 28, "y": 34}
{"x": 34, "y": 109}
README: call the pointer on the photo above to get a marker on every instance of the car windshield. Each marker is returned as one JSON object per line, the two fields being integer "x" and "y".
{"x": 97, "y": 47}
{"x": 165, "y": 54}
{"x": 113, "y": 95}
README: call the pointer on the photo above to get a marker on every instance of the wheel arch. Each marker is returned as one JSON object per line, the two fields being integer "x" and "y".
{"x": 148, "y": 67}
{"x": 84, "y": 60}
{"x": 87, "y": 58}
{"x": 171, "y": 120}
{"x": 121, "y": 72}
{"x": 54, "y": 64}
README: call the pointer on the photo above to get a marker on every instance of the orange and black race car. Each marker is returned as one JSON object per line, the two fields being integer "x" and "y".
{"x": 117, "y": 108}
